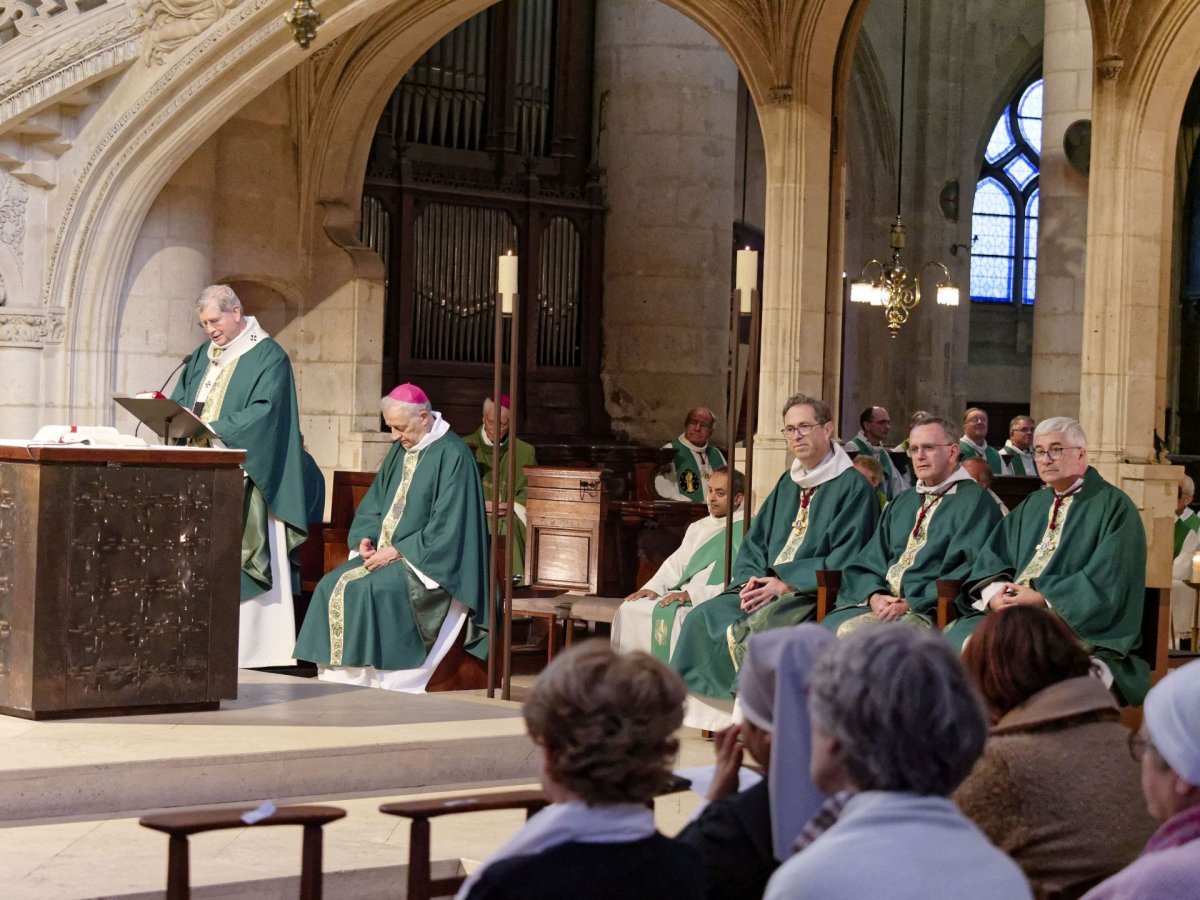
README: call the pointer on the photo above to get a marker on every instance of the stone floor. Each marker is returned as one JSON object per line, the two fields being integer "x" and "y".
{"x": 71, "y": 792}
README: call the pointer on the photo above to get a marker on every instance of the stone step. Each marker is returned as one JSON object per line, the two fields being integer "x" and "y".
{"x": 284, "y": 737}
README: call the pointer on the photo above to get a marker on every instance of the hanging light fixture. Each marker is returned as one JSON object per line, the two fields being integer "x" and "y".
{"x": 890, "y": 284}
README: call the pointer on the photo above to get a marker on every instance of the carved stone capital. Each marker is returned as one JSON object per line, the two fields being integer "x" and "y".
{"x": 780, "y": 95}
{"x": 32, "y": 328}
{"x": 1109, "y": 67}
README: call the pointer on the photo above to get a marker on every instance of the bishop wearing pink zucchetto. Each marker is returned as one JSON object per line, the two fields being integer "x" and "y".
{"x": 418, "y": 568}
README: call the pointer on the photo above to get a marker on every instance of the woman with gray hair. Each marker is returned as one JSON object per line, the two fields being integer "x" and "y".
{"x": 894, "y": 720}
{"x": 604, "y": 724}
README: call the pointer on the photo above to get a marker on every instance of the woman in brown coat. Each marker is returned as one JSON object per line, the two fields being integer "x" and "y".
{"x": 1056, "y": 787}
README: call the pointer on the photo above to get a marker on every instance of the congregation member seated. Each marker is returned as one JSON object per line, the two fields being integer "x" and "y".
{"x": 1056, "y": 788}
{"x": 1169, "y": 750}
{"x": 874, "y": 425}
{"x": 1187, "y": 542}
{"x": 480, "y": 441}
{"x": 894, "y": 720}
{"x": 974, "y": 440}
{"x": 649, "y": 618}
{"x": 982, "y": 473}
{"x": 820, "y": 513}
{"x": 1077, "y": 548}
{"x": 743, "y": 836}
{"x": 930, "y": 531}
{"x": 1016, "y": 454}
{"x": 694, "y": 461}
{"x": 604, "y": 724}
{"x": 389, "y": 615}
{"x": 873, "y": 472}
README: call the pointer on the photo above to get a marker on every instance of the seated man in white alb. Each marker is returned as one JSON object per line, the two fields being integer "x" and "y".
{"x": 376, "y": 624}
{"x": 1187, "y": 542}
{"x": 649, "y": 619}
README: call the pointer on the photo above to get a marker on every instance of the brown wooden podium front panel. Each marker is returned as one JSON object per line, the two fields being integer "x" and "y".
{"x": 119, "y": 581}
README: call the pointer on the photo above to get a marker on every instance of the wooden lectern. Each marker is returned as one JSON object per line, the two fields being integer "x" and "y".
{"x": 119, "y": 579}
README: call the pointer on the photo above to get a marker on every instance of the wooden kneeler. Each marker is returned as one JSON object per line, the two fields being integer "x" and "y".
{"x": 183, "y": 824}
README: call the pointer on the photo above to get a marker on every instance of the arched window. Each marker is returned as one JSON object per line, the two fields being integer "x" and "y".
{"x": 1004, "y": 217}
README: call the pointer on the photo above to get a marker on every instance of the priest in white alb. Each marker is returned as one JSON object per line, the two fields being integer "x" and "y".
{"x": 649, "y": 618}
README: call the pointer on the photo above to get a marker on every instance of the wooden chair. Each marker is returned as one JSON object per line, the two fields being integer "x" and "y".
{"x": 829, "y": 583}
{"x": 421, "y": 883}
{"x": 564, "y": 532}
{"x": 183, "y": 824}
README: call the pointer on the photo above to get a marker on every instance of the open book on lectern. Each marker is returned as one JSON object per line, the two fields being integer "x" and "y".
{"x": 165, "y": 417}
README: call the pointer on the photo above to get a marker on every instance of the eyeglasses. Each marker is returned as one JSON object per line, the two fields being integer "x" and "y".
{"x": 700, "y": 422}
{"x": 918, "y": 449}
{"x": 1051, "y": 453}
{"x": 802, "y": 429}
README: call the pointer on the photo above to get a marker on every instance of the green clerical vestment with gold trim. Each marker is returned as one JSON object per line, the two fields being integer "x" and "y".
{"x": 967, "y": 450}
{"x": 388, "y": 618}
{"x": 954, "y": 529}
{"x": 525, "y": 457}
{"x": 1094, "y": 578}
{"x": 258, "y": 414}
{"x": 842, "y": 515}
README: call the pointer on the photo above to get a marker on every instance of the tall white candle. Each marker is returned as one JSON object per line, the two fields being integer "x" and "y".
{"x": 1196, "y": 567}
{"x": 507, "y": 282}
{"x": 747, "y": 276}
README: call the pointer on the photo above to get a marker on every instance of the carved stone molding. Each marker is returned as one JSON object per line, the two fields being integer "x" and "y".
{"x": 169, "y": 24}
{"x": 1110, "y": 66}
{"x": 30, "y": 329}
{"x": 14, "y": 197}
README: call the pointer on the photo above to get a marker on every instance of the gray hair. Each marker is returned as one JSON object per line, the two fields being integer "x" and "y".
{"x": 953, "y": 432}
{"x": 488, "y": 403}
{"x": 901, "y": 707}
{"x": 1065, "y": 424}
{"x": 820, "y": 408}
{"x": 1187, "y": 486}
{"x": 391, "y": 405}
{"x": 219, "y": 295}
{"x": 1012, "y": 423}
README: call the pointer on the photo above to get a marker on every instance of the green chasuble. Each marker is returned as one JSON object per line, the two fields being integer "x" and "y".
{"x": 1182, "y": 528}
{"x": 1016, "y": 462}
{"x": 892, "y": 481}
{"x": 483, "y": 459}
{"x": 842, "y": 513}
{"x": 951, "y": 532}
{"x": 257, "y": 413}
{"x": 388, "y": 618}
{"x": 967, "y": 450}
{"x": 1091, "y": 570}
{"x": 688, "y": 478}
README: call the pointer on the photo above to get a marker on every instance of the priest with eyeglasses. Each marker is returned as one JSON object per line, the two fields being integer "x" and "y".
{"x": 931, "y": 531}
{"x": 1076, "y": 547}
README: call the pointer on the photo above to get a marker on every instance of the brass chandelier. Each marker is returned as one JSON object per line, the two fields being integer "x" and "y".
{"x": 890, "y": 284}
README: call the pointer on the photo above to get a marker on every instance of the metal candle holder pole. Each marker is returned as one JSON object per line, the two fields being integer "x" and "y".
{"x": 735, "y": 320}
{"x": 513, "y": 341}
{"x": 496, "y": 569}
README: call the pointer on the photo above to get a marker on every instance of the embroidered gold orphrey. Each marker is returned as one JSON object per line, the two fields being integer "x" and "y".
{"x": 1048, "y": 544}
{"x": 917, "y": 539}
{"x": 216, "y": 398}
{"x": 799, "y": 529}
{"x": 337, "y": 600}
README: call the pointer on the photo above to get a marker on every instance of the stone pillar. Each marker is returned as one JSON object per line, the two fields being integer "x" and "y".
{"x": 1062, "y": 226}
{"x": 667, "y": 100}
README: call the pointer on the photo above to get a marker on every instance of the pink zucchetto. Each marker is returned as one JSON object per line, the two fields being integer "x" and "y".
{"x": 408, "y": 393}
{"x": 505, "y": 403}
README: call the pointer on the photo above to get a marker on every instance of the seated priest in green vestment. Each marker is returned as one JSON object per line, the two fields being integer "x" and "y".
{"x": 480, "y": 441}
{"x": 686, "y": 478}
{"x": 1017, "y": 453}
{"x": 240, "y": 382}
{"x": 388, "y": 616}
{"x": 974, "y": 440}
{"x": 1077, "y": 547}
{"x": 874, "y": 425}
{"x": 1187, "y": 542}
{"x": 930, "y": 531}
{"x": 649, "y": 619}
{"x": 819, "y": 515}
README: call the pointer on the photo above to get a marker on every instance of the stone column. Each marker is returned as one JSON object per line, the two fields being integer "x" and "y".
{"x": 667, "y": 100}
{"x": 1062, "y": 234}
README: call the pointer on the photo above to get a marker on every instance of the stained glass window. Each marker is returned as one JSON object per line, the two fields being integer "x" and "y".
{"x": 1004, "y": 217}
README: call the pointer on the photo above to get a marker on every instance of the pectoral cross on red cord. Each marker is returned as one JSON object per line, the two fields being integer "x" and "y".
{"x": 1057, "y": 503}
{"x": 925, "y": 508}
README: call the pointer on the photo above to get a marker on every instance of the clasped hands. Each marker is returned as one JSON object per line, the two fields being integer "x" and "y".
{"x": 761, "y": 590}
{"x": 887, "y": 608}
{"x": 1011, "y": 594}
{"x": 376, "y": 559}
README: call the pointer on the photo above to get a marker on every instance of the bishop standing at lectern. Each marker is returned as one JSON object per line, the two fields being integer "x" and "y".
{"x": 240, "y": 382}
